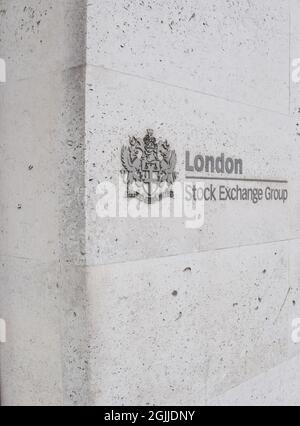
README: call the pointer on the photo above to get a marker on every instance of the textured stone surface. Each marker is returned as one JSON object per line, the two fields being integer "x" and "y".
{"x": 236, "y": 50}
{"x": 41, "y": 36}
{"x": 45, "y": 359}
{"x": 145, "y": 311}
{"x": 118, "y": 106}
{"x": 277, "y": 387}
{"x": 295, "y": 78}
{"x": 295, "y": 16}
{"x": 31, "y": 369}
{"x": 184, "y": 329}
{"x": 41, "y": 203}
{"x": 74, "y": 337}
{"x": 295, "y": 113}
{"x": 294, "y": 294}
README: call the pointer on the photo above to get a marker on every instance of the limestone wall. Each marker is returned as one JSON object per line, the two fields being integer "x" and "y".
{"x": 201, "y": 316}
{"x": 41, "y": 201}
{"x": 145, "y": 311}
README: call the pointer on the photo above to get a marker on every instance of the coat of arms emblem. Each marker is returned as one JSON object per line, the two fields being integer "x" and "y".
{"x": 149, "y": 168}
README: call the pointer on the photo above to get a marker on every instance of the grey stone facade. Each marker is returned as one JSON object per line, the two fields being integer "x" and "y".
{"x": 145, "y": 311}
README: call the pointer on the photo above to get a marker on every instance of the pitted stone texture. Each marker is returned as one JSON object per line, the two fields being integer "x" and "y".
{"x": 42, "y": 167}
{"x": 119, "y": 106}
{"x": 74, "y": 337}
{"x": 278, "y": 387}
{"x": 294, "y": 292}
{"x": 31, "y": 369}
{"x": 45, "y": 359}
{"x": 295, "y": 79}
{"x": 40, "y": 36}
{"x": 235, "y": 50}
{"x": 294, "y": 197}
{"x": 71, "y": 136}
{"x": 185, "y": 329}
{"x": 295, "y": 113}
{"x": 295, "y": 16}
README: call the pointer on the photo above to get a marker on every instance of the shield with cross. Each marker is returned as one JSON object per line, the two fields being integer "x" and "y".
{"x": 151, "y": 178}
{"x": 149, "y": 166}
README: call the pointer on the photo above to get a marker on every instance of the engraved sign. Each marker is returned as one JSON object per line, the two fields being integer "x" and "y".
{"x": 149, "y": 168}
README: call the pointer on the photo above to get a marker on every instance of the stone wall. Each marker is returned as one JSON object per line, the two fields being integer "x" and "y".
{"x": 41, "y": 201}
{"x": 146, "y": 311}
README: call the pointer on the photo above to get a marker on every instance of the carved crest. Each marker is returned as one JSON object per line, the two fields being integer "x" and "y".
{"x": 149, "y": 166}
